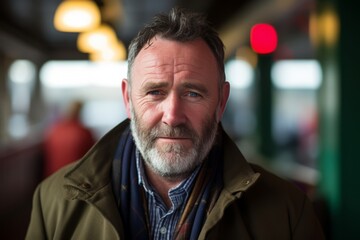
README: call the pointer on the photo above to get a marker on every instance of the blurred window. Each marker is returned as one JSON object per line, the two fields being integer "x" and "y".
{"x": 21, "y": 81}
{"x": 295, "y": 110}
{"x": 239, "y": 118}
{"x": 239, "y": 73}
{"x": 97, "y": 84}
{"x": 296, "y": 74}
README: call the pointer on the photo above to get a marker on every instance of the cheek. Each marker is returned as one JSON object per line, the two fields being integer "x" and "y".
{"x": 201, "y": 116}
{"x": 146, "y": 113}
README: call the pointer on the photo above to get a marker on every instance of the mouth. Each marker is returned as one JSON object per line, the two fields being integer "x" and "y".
{"x": 174, "y": 140}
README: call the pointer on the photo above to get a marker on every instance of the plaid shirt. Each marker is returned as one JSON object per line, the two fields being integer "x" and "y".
{"x": 162, "y": 220}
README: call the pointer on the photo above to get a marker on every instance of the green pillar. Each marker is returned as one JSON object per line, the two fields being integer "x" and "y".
{"x": 349, "y": 57}
{"x": 264, "y": 106}
{"x": 339, "y": 108}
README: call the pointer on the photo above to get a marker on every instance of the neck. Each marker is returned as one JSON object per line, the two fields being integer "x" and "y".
{"x": 161, "y": 184}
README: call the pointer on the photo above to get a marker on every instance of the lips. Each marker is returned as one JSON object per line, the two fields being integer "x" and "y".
{"x": 174, "y": 139}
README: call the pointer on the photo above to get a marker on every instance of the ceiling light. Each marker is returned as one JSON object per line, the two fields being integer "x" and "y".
{"x": 114, "y": 52}
{"x": 97, "y": 39}
{"x": 77, "y": 16}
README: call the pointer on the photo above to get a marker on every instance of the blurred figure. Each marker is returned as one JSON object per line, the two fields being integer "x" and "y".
{"x": 67, "y": 140}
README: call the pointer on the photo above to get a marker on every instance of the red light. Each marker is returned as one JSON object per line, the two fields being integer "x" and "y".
{"x": 263, "y": 38}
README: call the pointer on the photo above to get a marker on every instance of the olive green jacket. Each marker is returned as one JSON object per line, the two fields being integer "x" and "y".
{"x": 77, "y": 202}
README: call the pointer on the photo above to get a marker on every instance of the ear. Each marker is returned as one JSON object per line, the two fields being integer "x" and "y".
{"x": 126, "y": 97}
{"x": 223, "y": 100}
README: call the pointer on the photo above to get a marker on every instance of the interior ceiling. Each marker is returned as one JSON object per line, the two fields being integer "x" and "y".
{"x": 26, "y": 26}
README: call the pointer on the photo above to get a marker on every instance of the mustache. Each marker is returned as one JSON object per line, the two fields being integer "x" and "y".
{"x": 180, "y": 131}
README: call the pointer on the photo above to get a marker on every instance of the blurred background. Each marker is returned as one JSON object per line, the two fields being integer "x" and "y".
{"x": 292, "y": 64}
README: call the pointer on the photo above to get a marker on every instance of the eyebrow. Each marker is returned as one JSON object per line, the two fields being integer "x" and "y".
{"x": 199, "y": 87}
{"x": 187, "y": 85}
{"x": 154, "y": 85}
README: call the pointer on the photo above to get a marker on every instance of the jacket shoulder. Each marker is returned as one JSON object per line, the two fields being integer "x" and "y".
{"x": 279, "y": 204}
{"x": 51, "y": 190}
{"x": 272, "y": 183}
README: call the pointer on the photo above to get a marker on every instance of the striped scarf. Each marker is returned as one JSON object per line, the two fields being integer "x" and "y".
{"x": 132, "y": 202}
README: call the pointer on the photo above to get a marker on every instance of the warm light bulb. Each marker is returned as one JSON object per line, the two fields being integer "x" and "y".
{"x": 76, "y": 16}
{"x": 97, "y": 39}
{"x": 114, "y": 52}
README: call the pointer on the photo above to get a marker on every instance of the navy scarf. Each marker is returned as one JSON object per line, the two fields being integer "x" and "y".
{"x": 132, "y": 202}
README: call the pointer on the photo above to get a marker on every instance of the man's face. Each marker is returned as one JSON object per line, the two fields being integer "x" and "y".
{"x": 175, "y": 105}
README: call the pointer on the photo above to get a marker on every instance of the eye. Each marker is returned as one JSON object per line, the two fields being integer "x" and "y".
{"x": 154, "y": 93}
{"x": 193, "y": 94}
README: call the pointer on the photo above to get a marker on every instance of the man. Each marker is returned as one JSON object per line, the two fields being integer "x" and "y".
{"x": 67, "y": 140}
{"x": 171, "y": 172}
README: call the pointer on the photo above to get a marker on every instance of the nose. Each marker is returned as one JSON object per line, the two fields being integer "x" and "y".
{"x": 173, "y": 111}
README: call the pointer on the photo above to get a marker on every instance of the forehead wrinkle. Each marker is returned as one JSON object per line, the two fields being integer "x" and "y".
{"x": 156, "y": 70}
{"x": 188, "y": 70}
{"x": 157, "y": 65}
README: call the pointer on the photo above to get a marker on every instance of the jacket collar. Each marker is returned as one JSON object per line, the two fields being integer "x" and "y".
{"x": 93, "y": 171}
{"x": 238, "y": 174}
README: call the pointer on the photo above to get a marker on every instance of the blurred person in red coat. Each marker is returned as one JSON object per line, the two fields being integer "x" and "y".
{"x": 67, "y": 140}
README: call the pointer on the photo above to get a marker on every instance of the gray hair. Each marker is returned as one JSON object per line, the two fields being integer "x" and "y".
{"x": 179, "y": 25}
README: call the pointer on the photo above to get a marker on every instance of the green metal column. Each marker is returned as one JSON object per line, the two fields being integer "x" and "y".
{"x": 340, "y": 120}
{"x": 349, "y": 57}
{"x": 264, "y": 106}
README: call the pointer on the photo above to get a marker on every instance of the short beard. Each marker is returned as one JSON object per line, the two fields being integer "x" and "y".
{"x": 183, "y": 161}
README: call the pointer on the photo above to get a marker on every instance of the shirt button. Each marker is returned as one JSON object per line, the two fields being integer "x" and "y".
{"x": 163, "y": 230}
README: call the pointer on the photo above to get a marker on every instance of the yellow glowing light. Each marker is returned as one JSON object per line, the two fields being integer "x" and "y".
{"x": 114, "y": 52}
{"x": 97, "y": 39}
{"x": 324, "y": 27}
{"x": 330, "y": 24}
{"x": 77, "y": 16}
